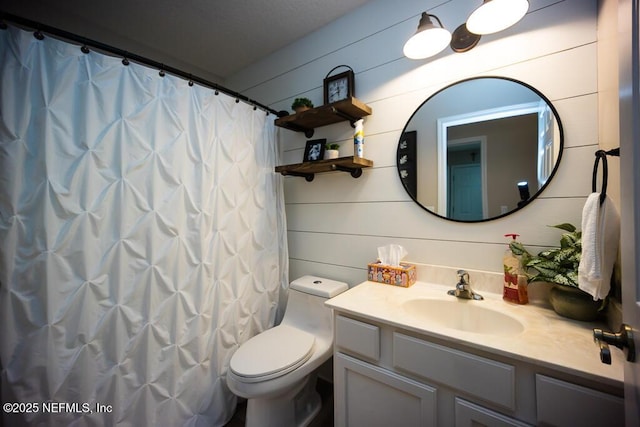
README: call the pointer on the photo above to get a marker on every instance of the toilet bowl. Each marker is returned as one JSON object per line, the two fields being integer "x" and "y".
{"x": 275, "y": 370}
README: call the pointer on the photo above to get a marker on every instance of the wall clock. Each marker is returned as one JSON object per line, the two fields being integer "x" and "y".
{"x": 339, "y": 87}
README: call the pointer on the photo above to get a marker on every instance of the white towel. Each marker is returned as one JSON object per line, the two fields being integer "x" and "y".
{"x": 600, "y": 240}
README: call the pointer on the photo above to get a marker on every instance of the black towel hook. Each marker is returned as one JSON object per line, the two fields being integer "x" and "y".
{"x": 602, "y": 155}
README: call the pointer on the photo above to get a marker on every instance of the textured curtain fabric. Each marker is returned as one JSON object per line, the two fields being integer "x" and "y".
{"x": 141, "y": 238}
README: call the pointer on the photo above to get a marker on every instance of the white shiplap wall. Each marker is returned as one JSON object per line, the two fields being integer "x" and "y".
{"x": 335, "y": 223}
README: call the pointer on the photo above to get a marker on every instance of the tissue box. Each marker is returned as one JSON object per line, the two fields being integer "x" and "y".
{"x": 404, "y": 276}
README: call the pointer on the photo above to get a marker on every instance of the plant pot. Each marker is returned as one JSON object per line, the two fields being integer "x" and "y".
{"x": 301, "y": 109}
{"x": 331, "y": 154}
{"x": 573, "y": 303}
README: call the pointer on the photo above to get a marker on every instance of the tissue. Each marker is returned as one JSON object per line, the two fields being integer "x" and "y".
{"x": 391, "y": 255}
{"x": 390, "y": 270}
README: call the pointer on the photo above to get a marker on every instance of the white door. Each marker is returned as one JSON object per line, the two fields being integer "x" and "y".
{"x": 629, "y": 93}
{"x": 546, "y": 143}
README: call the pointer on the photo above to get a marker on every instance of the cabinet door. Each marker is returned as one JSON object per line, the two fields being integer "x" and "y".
{"x": 370, "y": 396}
{"x": 563, "y": 404}
{"x": 471, "y": 415}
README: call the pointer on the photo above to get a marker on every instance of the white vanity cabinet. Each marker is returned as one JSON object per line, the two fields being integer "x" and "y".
{"x": 385, "y": 375}
{"x": 368, "y": 395}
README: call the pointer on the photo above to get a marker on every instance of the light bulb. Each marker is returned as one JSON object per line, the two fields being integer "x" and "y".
{"x": 428, "y": 40}
{"x": 496, "y": 15}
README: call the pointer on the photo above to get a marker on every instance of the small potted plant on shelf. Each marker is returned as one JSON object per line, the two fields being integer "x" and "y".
{"x": 559, "y": 266}
{"x": 301, "y": 104}
{"x": 331, "y": 151}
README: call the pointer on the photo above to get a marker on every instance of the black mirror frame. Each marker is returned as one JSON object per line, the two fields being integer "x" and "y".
{"x": 533, "y": 196}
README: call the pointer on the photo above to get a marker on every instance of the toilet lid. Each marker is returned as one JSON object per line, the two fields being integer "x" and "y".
{"x": 272, "y": 353}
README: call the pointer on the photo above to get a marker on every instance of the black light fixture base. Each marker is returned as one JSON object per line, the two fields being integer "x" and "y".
{"x": 462, "y": 40}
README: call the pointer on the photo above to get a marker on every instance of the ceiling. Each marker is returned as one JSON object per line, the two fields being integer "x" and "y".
{"x": 208, "y": 38}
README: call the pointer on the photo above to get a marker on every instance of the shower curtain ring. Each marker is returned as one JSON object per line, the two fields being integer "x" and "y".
{"x": 84, "y": 49}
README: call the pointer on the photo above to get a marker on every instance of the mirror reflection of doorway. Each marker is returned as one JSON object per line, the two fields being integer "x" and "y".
{"x": 465, "y": 202}
{"x": 466, "y": 176}
{"x": 512, "y": 139}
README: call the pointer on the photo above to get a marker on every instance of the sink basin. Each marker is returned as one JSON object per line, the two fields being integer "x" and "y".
{"x": 463, "y": 315}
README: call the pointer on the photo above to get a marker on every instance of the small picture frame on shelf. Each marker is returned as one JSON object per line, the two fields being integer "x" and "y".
{"x": 314, "y": 150}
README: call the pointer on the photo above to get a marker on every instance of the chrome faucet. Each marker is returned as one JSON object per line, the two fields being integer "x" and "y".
{"x": 463, "y": 288}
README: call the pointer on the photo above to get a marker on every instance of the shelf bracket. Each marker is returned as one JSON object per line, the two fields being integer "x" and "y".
{"x": 345, "y": 116}
{"x": 355, "y": 172}
{"x": 307, "y": 176}
{"x": 307, "y": 132}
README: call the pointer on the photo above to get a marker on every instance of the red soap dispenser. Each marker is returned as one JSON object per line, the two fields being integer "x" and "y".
{"x": 515, "y": 282}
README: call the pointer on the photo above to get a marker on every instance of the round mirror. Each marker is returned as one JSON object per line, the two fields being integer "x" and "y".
{"x": 480, "y": 149}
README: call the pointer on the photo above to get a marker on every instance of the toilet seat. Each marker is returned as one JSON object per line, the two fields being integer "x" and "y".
{"x": 272, "y": 353}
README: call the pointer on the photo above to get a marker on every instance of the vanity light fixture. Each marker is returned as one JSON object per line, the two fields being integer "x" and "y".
{"x": 463, "y": 40}
{"x": 428, "y": 40}
{"x": 496, "y": 15}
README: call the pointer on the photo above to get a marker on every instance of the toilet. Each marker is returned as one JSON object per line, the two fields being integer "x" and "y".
{"x": 275, "y": 370}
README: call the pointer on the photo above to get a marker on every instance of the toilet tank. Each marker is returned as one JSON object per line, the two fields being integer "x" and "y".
{"x": 305, "y": 304}
{"x": 313, "y": 285}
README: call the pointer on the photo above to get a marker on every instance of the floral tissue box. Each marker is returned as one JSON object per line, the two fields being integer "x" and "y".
{"x": 404, "y": 276}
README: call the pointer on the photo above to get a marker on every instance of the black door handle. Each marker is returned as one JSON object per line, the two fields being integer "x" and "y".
{"x": 623, "y": 340}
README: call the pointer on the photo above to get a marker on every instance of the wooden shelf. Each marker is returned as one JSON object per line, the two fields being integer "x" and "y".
{"x": 350, "y": 109}
{"x": 351, "y": 164}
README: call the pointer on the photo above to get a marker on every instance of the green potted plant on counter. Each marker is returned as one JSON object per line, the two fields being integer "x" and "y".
{"x": 559, "y": 266}
{"x": 301, "y": 104}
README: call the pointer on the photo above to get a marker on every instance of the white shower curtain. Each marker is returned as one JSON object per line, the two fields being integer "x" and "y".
{"x": 141, "y": 239}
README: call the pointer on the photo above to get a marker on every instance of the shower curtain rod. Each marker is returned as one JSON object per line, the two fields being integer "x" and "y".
{"x": 127, "y": 56}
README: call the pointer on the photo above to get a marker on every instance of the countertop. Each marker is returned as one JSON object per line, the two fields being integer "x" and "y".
{"x": 547, "y": 340}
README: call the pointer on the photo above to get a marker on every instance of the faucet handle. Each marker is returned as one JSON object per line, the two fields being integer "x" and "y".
{"x": 464, "y": 276}
{"x": 463, "y": 287}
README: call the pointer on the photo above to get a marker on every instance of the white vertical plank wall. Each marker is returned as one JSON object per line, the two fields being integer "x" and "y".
{"x": 336, "y": 222}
